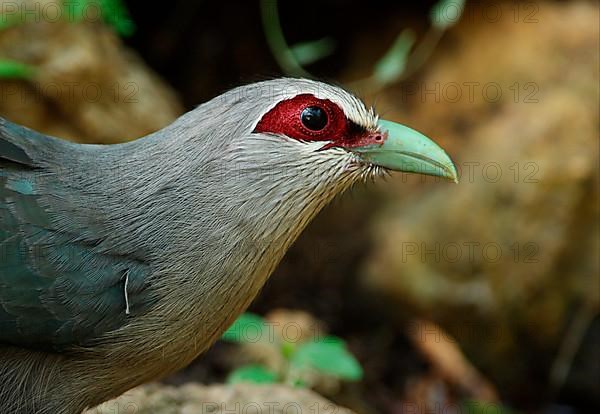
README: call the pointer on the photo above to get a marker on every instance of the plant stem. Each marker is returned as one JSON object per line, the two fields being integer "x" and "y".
{"x": 276, "y": 40}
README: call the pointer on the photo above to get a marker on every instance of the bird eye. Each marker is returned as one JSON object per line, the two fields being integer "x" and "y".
{"x": 314, "y": 118}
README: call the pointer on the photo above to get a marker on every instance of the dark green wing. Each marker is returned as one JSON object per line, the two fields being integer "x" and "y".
{"x": 57, "y": 287}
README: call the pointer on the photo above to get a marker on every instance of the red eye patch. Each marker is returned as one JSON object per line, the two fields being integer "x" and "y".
{"x": 287, "y": 118}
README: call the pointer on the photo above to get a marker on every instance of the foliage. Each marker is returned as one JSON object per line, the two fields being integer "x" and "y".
{"x": 15, "y": 70}
{"x": 113, "y": 12}
{"x": 238, "y": 331}
{"x": 326, "y": 355}
{"x": 402, "y": 59}
{"x": 256, "y": 374}
{"x": 329, "y": 356}
{"x": 446, "y": 13}
{"x": 310, "y": 52}
{"x": 393, "y": 63}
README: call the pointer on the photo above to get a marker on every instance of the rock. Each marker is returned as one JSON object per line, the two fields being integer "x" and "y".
{"x": 87, "y": 85}
{"x": 240, "y": 398}
{"x": 504, "y": 260}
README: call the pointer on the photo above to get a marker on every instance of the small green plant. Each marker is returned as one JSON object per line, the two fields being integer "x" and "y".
{"x": 326, "y": 355}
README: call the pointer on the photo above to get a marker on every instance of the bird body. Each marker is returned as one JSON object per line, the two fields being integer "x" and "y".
{"x": 122, "y": 263}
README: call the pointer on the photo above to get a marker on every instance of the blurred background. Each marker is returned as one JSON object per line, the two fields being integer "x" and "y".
{"x": 481, "y": 297}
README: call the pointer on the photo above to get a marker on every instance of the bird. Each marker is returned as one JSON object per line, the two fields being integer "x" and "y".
{"x": 120, "y": 264}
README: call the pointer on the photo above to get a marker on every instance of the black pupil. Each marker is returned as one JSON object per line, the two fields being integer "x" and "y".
{"x": 314, "y": 118}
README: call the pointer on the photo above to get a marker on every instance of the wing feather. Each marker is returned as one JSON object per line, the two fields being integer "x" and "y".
{"x": 58, "y": 289}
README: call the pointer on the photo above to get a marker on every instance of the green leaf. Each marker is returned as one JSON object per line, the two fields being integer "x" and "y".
{"x": 288, "y": 349}
{"x": 116, "y": 14}
{"x": 329, "y": 356}
{"x": 256, "y": 374}
{"x": 310, "y": 52}
{"x": 391, "y": 66}
{"x": 248, "y": 328}
{"x": 16, "y": 70}
{"x": 446, "y": 13}
{"x": 113, "y": 12}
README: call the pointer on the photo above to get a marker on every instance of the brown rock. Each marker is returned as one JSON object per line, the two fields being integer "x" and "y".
{"x": 240, "y": 398}
{"x": 88, "y": 87}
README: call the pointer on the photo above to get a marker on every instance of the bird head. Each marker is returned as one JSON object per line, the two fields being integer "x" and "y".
{"x": 255, "y": 164}
{"x": 339, "y": 125}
